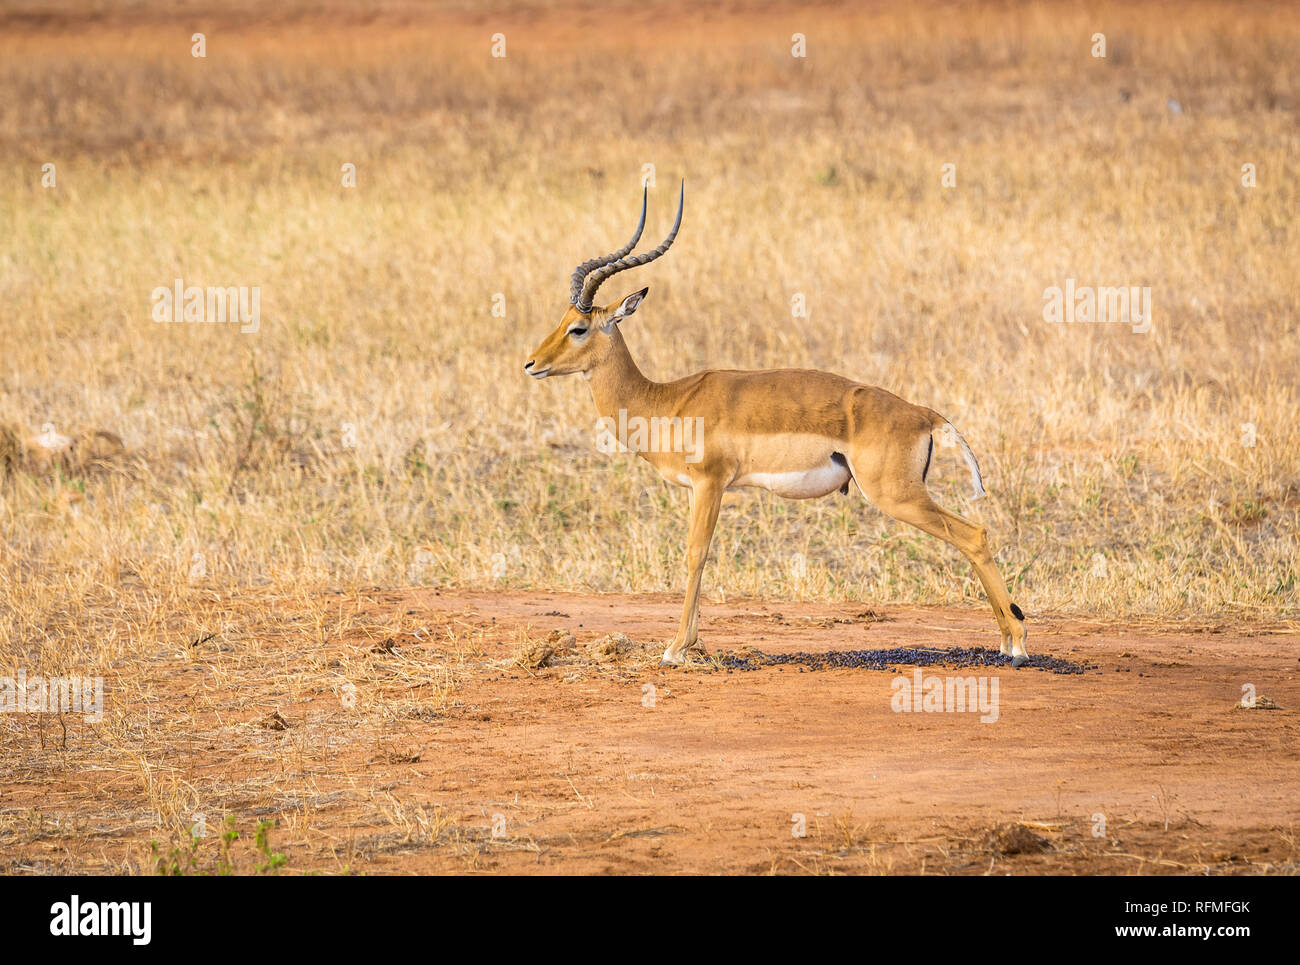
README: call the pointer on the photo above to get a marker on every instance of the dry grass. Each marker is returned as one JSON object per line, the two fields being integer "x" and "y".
{"x": 820, "y": 177}
{"x": 378, "y": 430}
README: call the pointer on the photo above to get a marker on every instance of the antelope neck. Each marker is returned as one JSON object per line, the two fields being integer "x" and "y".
{"x": 617, "y": 383}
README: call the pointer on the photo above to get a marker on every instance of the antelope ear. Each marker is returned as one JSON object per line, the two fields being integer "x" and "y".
{"x": 626, "y": 307}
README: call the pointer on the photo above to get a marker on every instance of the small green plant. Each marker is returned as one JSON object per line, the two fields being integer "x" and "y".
{"x": 272, "y": 861}
{"x": 186, "y": 858}
{"x": 229, "y": 835}
{"x": 177, "y": 860}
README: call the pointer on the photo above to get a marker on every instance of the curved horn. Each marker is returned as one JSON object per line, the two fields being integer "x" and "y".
{"x": 581, "y": 272}
{"x": 597, "y": 276}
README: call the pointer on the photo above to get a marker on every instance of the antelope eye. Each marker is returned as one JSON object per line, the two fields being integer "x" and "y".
{"x": 577, "y": 332}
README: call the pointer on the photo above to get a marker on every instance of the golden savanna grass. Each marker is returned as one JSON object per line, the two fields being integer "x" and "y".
{"x": 379, "y": 430}
{"x": 818, "y": 177}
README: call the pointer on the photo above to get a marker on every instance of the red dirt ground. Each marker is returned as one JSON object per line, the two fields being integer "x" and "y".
{"x": 586, "y": 779}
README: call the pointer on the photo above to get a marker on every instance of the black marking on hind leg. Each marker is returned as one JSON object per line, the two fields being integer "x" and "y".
{"x": 1017, "y": 613}
{"x": 928, "y": 453}
{"x": 839, "y": 460}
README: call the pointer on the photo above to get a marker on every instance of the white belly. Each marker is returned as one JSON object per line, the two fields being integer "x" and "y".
{"x": 804, "y": 484}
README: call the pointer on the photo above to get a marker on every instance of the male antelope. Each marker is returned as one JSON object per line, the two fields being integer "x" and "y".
{"x": 796, "y": 432}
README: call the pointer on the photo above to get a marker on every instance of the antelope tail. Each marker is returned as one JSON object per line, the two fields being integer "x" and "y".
{"x": 948, "y": 435}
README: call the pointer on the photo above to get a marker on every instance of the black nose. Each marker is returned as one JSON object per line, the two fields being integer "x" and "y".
{"x": 528, "y": 365}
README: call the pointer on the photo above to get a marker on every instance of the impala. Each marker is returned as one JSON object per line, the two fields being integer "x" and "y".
{"x": 796, "y": 432}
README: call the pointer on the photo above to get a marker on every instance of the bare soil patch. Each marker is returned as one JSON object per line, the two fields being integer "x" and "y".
{"x": 447, "y": 746}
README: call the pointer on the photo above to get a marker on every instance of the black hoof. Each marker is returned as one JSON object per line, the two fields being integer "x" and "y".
{"x": 1019, "y": 661}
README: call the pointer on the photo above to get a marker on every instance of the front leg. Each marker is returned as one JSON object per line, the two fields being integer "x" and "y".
{"x": 706, "y": 500}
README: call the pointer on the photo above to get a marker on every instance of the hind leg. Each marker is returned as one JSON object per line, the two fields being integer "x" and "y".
{"x": 912, "y": 504}
{"x": 972, "y": 540}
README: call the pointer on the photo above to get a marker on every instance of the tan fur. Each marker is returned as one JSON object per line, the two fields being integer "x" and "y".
{"x": 775, "y": 428}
